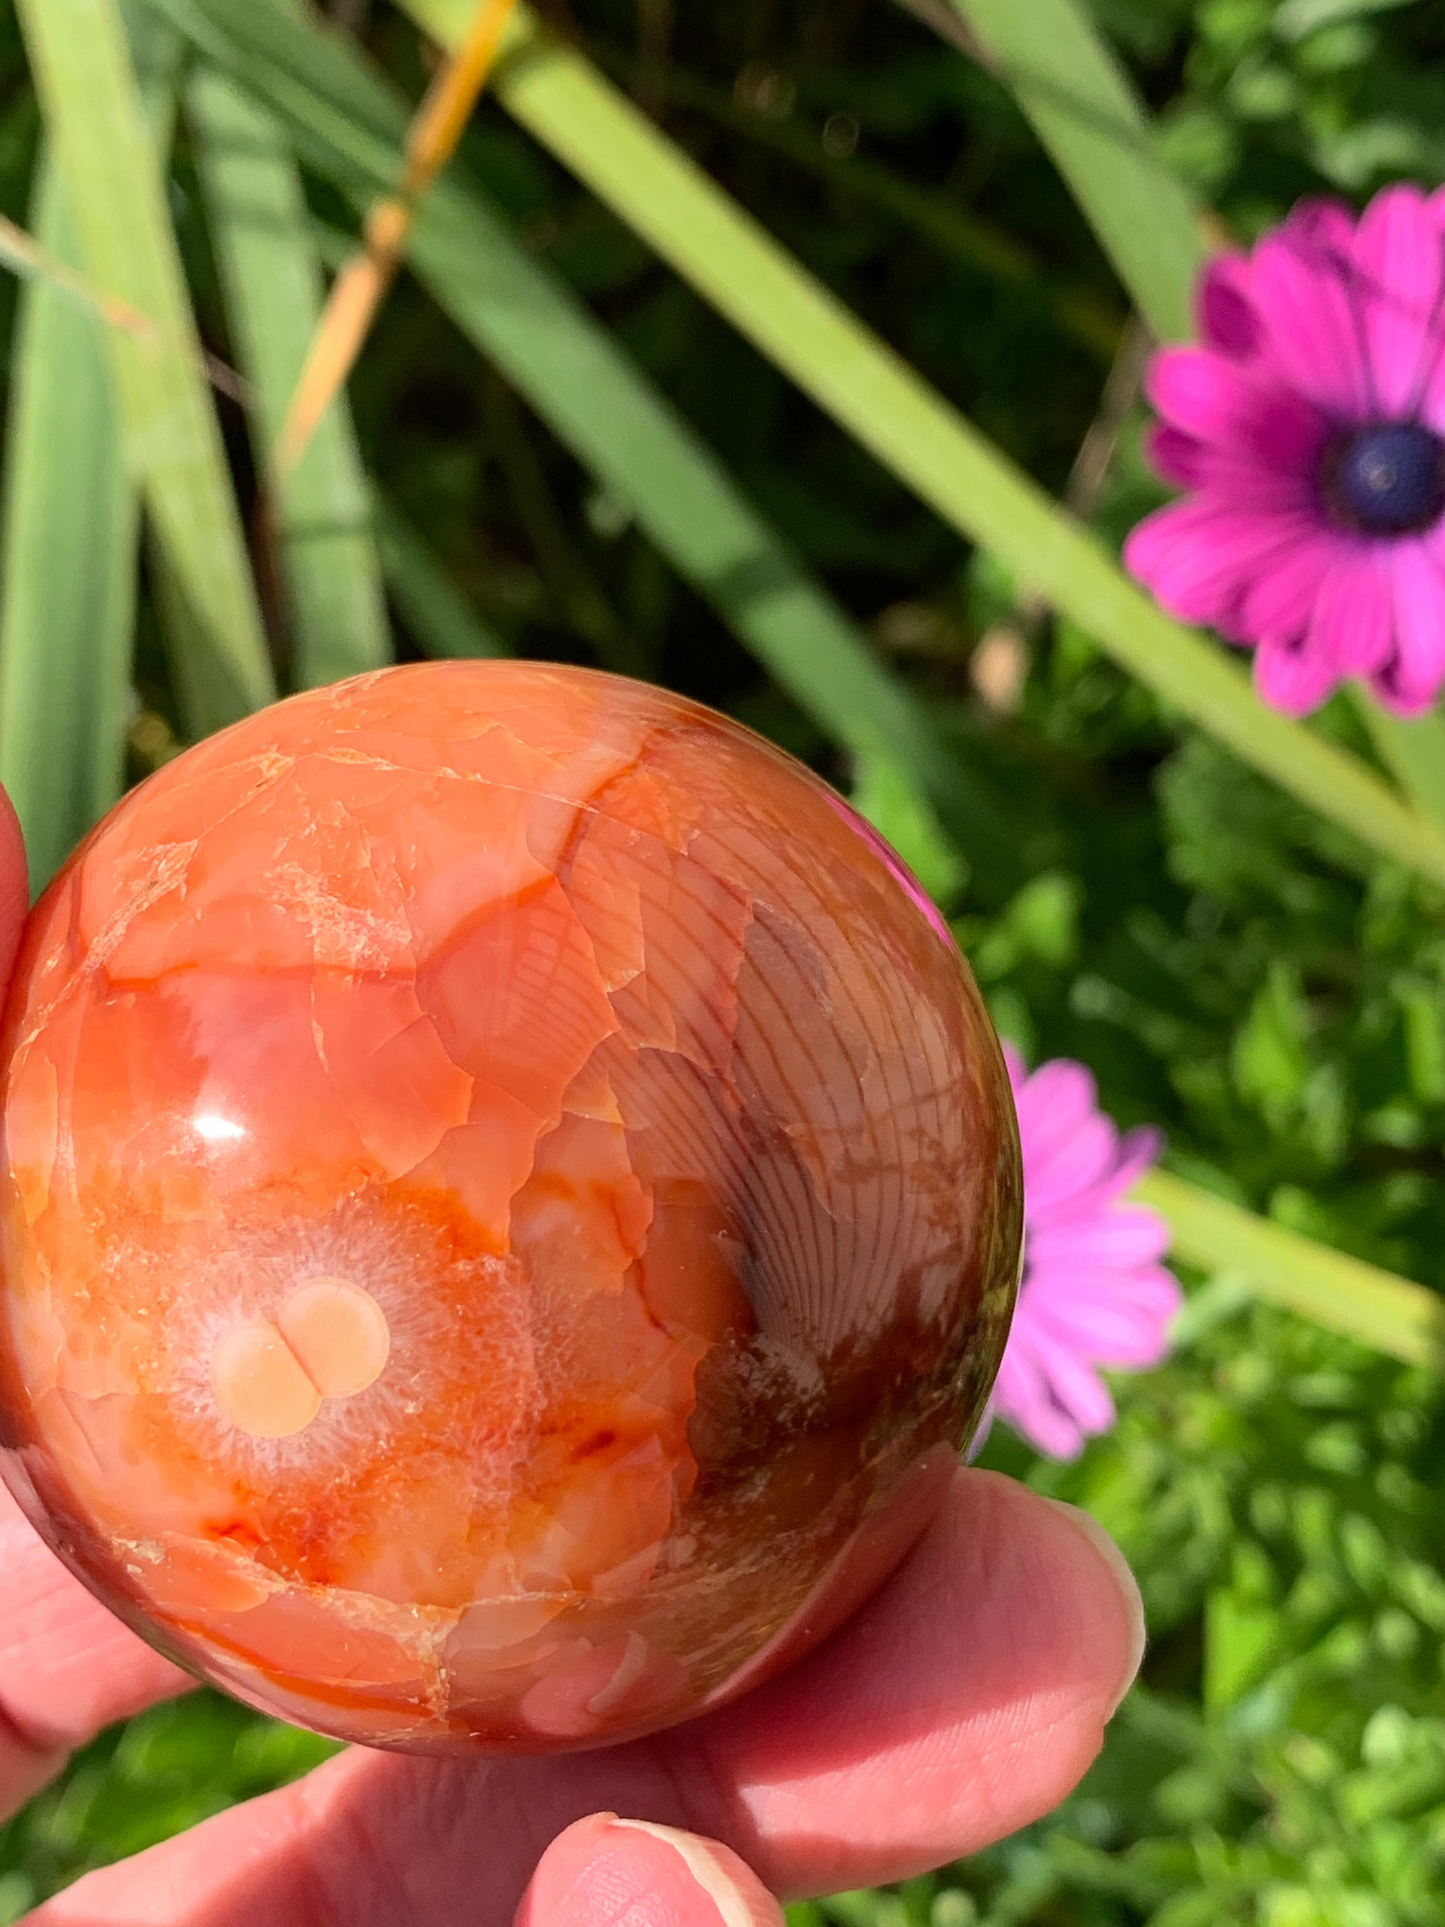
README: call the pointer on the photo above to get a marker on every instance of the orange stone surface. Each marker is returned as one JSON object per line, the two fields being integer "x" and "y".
{"x": 510, "y": 1203}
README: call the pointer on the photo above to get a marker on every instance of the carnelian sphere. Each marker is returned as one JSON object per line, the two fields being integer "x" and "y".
{"x": 510, "y": 1205}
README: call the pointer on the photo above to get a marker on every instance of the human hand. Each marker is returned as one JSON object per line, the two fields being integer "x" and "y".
{"x": 963, "y": 1701}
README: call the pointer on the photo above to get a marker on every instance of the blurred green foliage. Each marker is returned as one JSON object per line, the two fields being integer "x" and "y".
{"x": 1229, "y": 967}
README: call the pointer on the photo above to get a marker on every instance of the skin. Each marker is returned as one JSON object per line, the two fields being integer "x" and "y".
{"x": 966, "y": 1699}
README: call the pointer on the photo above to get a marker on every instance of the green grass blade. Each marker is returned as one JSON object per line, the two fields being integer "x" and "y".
{"x": 350, "y": 125}
{"x": 67, "y": 602}
{"x": 1073, "y": 92}
{"x": 586, "y": 123}
{"x": 1373, "y": 1306}
{"x": 1085, "y": 112}
{"x": 260, "y": 227}
{"x": 93, "y": 109}
{"x": 441, "y": 619}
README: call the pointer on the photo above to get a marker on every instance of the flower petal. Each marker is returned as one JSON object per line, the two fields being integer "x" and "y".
{"x": 1216, "y": 401}
{"x": 1316, "y": 337}
{"x": 1418, "y": 670}
{"x": 1200, "y": 559}
{"x": 1115, "y": 1336}
{"x": 1397, "y": 260}
{"x": 1224, "y": 305}
{"x": 1280, "y": 603}
{"x": 1021, "y": 1396}
{"x": 1407, "y": 705}
{"x": 1293, "y": 678}
{"x": 1073, "y": 1384}
{"x": 1321, "y": 225}
{"x": 1125, "y": 1234}
{"x": 1138, "y": 1150}
{"x": 1147, "y": 1288}
{"x": 1175, "y": 455}
{"x": 1053, "y": 1104}
{"x": 1093, "y": 1291}
{"x": 1142, "y": 1299}
{"x": 1354, "y": 620}
{"x": 1072, "y": 1167}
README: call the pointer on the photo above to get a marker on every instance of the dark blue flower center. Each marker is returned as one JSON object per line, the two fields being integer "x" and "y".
{"x": 1387, "y": 478}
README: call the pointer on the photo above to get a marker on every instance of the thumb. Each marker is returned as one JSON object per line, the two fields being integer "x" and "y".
{"x": 606, "y": 1872}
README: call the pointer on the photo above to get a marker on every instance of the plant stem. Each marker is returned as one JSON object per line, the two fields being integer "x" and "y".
{"x": 1342, "y": 1293}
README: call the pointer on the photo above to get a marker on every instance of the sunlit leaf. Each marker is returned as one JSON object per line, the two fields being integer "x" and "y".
{"x": 70, "y": 528}
{"x": 92, "y": 104}
{"x": 1084, "y": 110}
{"x": 320, "y": 513}
{"x": 1367, "y": 1304}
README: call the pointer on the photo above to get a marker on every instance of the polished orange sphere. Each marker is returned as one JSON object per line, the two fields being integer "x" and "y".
{"x": 510, "y": 1205}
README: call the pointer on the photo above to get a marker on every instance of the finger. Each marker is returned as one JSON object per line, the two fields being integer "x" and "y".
{"x": 962, "y": 1702}
{"x": 67, "y": 1666}
{"x": 969, "y": 1700}
{"x": 606, "y": 1872}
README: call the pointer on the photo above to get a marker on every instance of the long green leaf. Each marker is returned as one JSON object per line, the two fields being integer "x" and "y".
{"x": 1087, "y": 115}
{"x": 274, "y": 292}
{"x": 350, "y": 125}
{"x": 69, "y": 561}
{"x": 440, "y": 617}
{"x": 1073, "y": 92}
{"x": 1367, "y": 1304}
{"x": 586, "y": 123}
{"x": 92, "y": 104}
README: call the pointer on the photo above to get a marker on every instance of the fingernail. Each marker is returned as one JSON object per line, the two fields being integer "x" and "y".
{"x": 602, "y": 1869}
{"x": 1128, "y": 1587}
{"x": 723, "y": 1879}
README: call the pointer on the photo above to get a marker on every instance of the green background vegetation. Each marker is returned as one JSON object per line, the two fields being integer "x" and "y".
{"x": 1230, "y": 966}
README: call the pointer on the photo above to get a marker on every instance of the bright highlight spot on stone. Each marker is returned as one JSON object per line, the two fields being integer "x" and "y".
{"x": 260, "y": 1384}
{"x": 339, "y": 1333}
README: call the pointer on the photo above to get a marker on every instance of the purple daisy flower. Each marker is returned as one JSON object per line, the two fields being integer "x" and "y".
{"x": 1093, "y": 1292}
{"x": 1309, "y": 430}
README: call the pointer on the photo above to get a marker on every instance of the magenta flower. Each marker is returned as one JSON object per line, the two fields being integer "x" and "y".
{"x": 1093, "y": 1293}
{"x": 1309, "y": 430}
